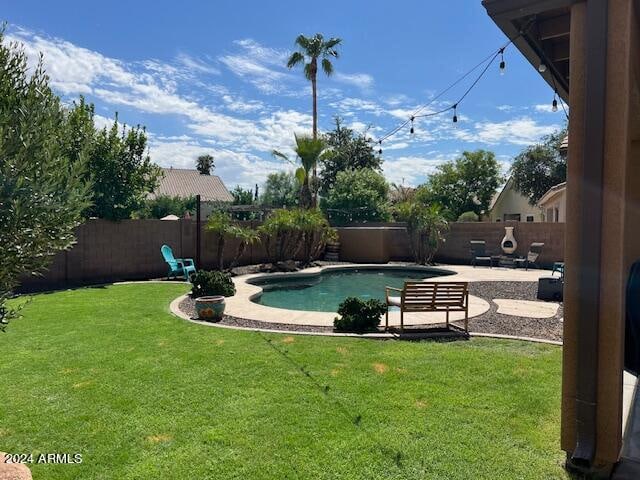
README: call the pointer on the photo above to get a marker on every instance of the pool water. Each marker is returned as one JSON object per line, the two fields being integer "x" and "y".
{"x": 323, "y": 293}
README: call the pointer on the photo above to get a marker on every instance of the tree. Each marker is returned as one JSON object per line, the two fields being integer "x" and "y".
{"x": 280, "y": 190}
{"x": 465, "y": 184}
{"x": 358, "y": 195}
{"x": 164, "y": 205}
{"x": 204, "y": 164}
{"x": 221, "y": 224}
{"x": 308, "y": 150}
{"x": 242, "y": 196}
{"x": 122, "y": 172}
{"x": 347, "y": 150}
{"x": 539, "y": 167}
{"x": 42, "y": 190}
{"x": 312, "y": 49}
{"x": 426, "y": 227}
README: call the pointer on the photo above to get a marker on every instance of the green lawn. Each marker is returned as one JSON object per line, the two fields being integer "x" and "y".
{"x": 110, "y": 373}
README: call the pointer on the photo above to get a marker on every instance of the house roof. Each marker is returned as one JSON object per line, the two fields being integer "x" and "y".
{"x": 552, "y": 192}
{"x": 497, "y": 195}
{"x": 181, "y": 182}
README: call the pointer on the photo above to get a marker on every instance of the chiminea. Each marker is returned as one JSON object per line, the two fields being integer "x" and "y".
{"x": 509, "y": 243}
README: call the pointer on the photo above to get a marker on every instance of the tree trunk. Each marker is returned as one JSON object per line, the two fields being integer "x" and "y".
{"x": 314, "y": 94}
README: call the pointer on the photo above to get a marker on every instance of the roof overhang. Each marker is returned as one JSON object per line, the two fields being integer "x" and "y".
{"x": 540, "y": 30}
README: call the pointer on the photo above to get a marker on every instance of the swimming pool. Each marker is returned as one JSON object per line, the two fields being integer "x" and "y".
{"x": 323, "y": 292}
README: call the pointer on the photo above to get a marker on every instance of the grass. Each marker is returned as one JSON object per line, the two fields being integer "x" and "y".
{"x": 111, "y": 374}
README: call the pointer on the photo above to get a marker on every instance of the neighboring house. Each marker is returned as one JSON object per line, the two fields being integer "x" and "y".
{"x": 554, "y": 203}
{"x": 510, "y": 204}
{"x": 182, "y": 182}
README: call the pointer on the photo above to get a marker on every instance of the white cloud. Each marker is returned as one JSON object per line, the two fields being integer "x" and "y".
{"x": 261, "y": 66}
{"x": 411, "y": 170}
{"x": 519, "y": 131}
{"x": 543, "y": 108}
{"x": 197, "y": 65}
{"x": 363, "y": 81}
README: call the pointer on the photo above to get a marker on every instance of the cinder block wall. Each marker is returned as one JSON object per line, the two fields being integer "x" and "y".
{"x": 129, "y": 250}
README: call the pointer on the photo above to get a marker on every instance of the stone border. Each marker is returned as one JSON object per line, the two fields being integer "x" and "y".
{"x": 174, "y": 308}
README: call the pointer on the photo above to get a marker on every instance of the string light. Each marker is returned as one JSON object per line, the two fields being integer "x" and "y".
{"x": 502, "y": 63}
{"x": 455, "y": 114}
{"x": 542, "y": 68}
{"x": 554, "y": 104}
{"x": 380, "y": 149}
{"x": 412, "y": 131}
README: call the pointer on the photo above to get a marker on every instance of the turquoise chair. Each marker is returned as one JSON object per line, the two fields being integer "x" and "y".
{"x": 177, "y": 266}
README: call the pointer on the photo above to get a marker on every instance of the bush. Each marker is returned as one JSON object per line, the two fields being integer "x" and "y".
{"x": 358, "y": 196}
{"x": 468, "y": 217}
{"x": 288, "y": 233}
{"x": 357, "y": 315}
{"x": 426, "y": 227}
{"x": 164, "y": 205}
{"x": 207, "y": 283}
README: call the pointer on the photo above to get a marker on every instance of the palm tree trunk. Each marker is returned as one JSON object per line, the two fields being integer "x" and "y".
{"x": 314, "y": 94}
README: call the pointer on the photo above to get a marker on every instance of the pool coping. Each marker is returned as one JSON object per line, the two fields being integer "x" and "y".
{"x": 174, "y": 308}
{"x": 242, "y": 304}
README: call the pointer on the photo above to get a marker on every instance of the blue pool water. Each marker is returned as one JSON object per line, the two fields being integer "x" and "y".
{"x": 323, "y": 293}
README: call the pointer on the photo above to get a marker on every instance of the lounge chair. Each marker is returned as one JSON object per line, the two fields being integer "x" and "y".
{"x": 532, "y": 256}
{"x": 429, "y": 297}
{"x": 177, "y": 266}
{"x": 478, "y": 253}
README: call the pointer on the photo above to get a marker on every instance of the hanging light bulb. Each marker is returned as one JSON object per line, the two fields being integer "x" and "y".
{"x": 455, "y": 114}
{"x": 502, "y": 63}
{"x": 542, "y": 68}
{"x": 380, "y": 149}
{"x": 554, "y": 104}
{"x": 412, "y": 131}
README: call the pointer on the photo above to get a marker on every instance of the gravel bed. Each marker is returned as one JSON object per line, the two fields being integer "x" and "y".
{"x": 489, "y": 322}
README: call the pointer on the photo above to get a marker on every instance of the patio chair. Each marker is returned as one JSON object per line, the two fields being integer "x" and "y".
{"x": 532, "y": 256}
{"x": 558, "y": 267}
{"x": 429, "y": 297}
{"x": 177, "y": 266}
{"x": 478, "y": 252}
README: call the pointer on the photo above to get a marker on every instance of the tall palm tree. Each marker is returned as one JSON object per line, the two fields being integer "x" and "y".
{"x": 308, "y": 150}
{"x": 312, "y": 49}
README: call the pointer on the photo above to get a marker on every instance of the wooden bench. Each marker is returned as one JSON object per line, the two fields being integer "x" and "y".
{"x": 430, "y": 297}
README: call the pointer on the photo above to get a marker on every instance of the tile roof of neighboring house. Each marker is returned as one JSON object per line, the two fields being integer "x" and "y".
{"x": 180, "y": 182}
{"x": 549, "y": 194}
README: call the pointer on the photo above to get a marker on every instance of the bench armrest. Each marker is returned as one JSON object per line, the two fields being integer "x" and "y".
{"x": 387, "y": 289}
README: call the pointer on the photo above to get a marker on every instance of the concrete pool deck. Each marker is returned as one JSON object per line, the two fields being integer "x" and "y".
{"x": 242, "y": 306}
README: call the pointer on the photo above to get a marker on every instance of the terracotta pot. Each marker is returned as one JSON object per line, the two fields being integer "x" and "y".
{"x": 210, "y": 308}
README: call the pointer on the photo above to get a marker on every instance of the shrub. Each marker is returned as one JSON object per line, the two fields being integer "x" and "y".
{"x": 207, "y": 283}
{"x": 286, "y": 233}
{"x": 468, "y": 217}
{"x": 358, "y": 196}
{"x": 221, "y": 224}
{"x": 426, "y": 227}
{"x": 164, "y": 205}
{"x": 357, "y": 315}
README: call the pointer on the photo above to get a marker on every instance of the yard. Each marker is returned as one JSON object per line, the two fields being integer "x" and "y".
{"x": 109, "y": 373}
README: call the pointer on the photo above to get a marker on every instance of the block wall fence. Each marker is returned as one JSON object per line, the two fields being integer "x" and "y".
{"x": 130, "y": 250}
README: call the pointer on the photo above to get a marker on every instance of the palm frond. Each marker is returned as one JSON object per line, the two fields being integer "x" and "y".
{"x": 303, "y": 42}
{"x": 332, "y": 42}
{"x": 327, "y": 66}
{"x": 278, "y": 154}
{"x": 308, "y": 71}
{"x": 309, "y": 150}
{"x": 295, "y": 59}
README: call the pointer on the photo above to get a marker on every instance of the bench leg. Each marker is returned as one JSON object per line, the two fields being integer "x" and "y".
{"x": 386, "y": 319}
{"x": 447, "y": 318}
{"x": 466, "y": 319}
{"x": 401, "y": 319}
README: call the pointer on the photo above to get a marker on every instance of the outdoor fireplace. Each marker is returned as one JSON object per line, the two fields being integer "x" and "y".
{"x": 509, "y": 243}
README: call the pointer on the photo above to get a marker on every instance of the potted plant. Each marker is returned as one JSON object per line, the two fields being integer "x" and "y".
{"x": 209, "y": 290}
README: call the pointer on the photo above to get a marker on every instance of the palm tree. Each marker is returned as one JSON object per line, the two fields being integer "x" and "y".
{"x": 312, "y": 49}
{"x": 308, "y": 150}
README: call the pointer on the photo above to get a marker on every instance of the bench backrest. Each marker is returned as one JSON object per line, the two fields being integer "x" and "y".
{"x": 478, "y": 248}
{"x": 431, "y": 296}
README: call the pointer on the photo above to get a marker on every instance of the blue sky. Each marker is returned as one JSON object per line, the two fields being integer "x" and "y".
{"x": 210, "y": 77}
